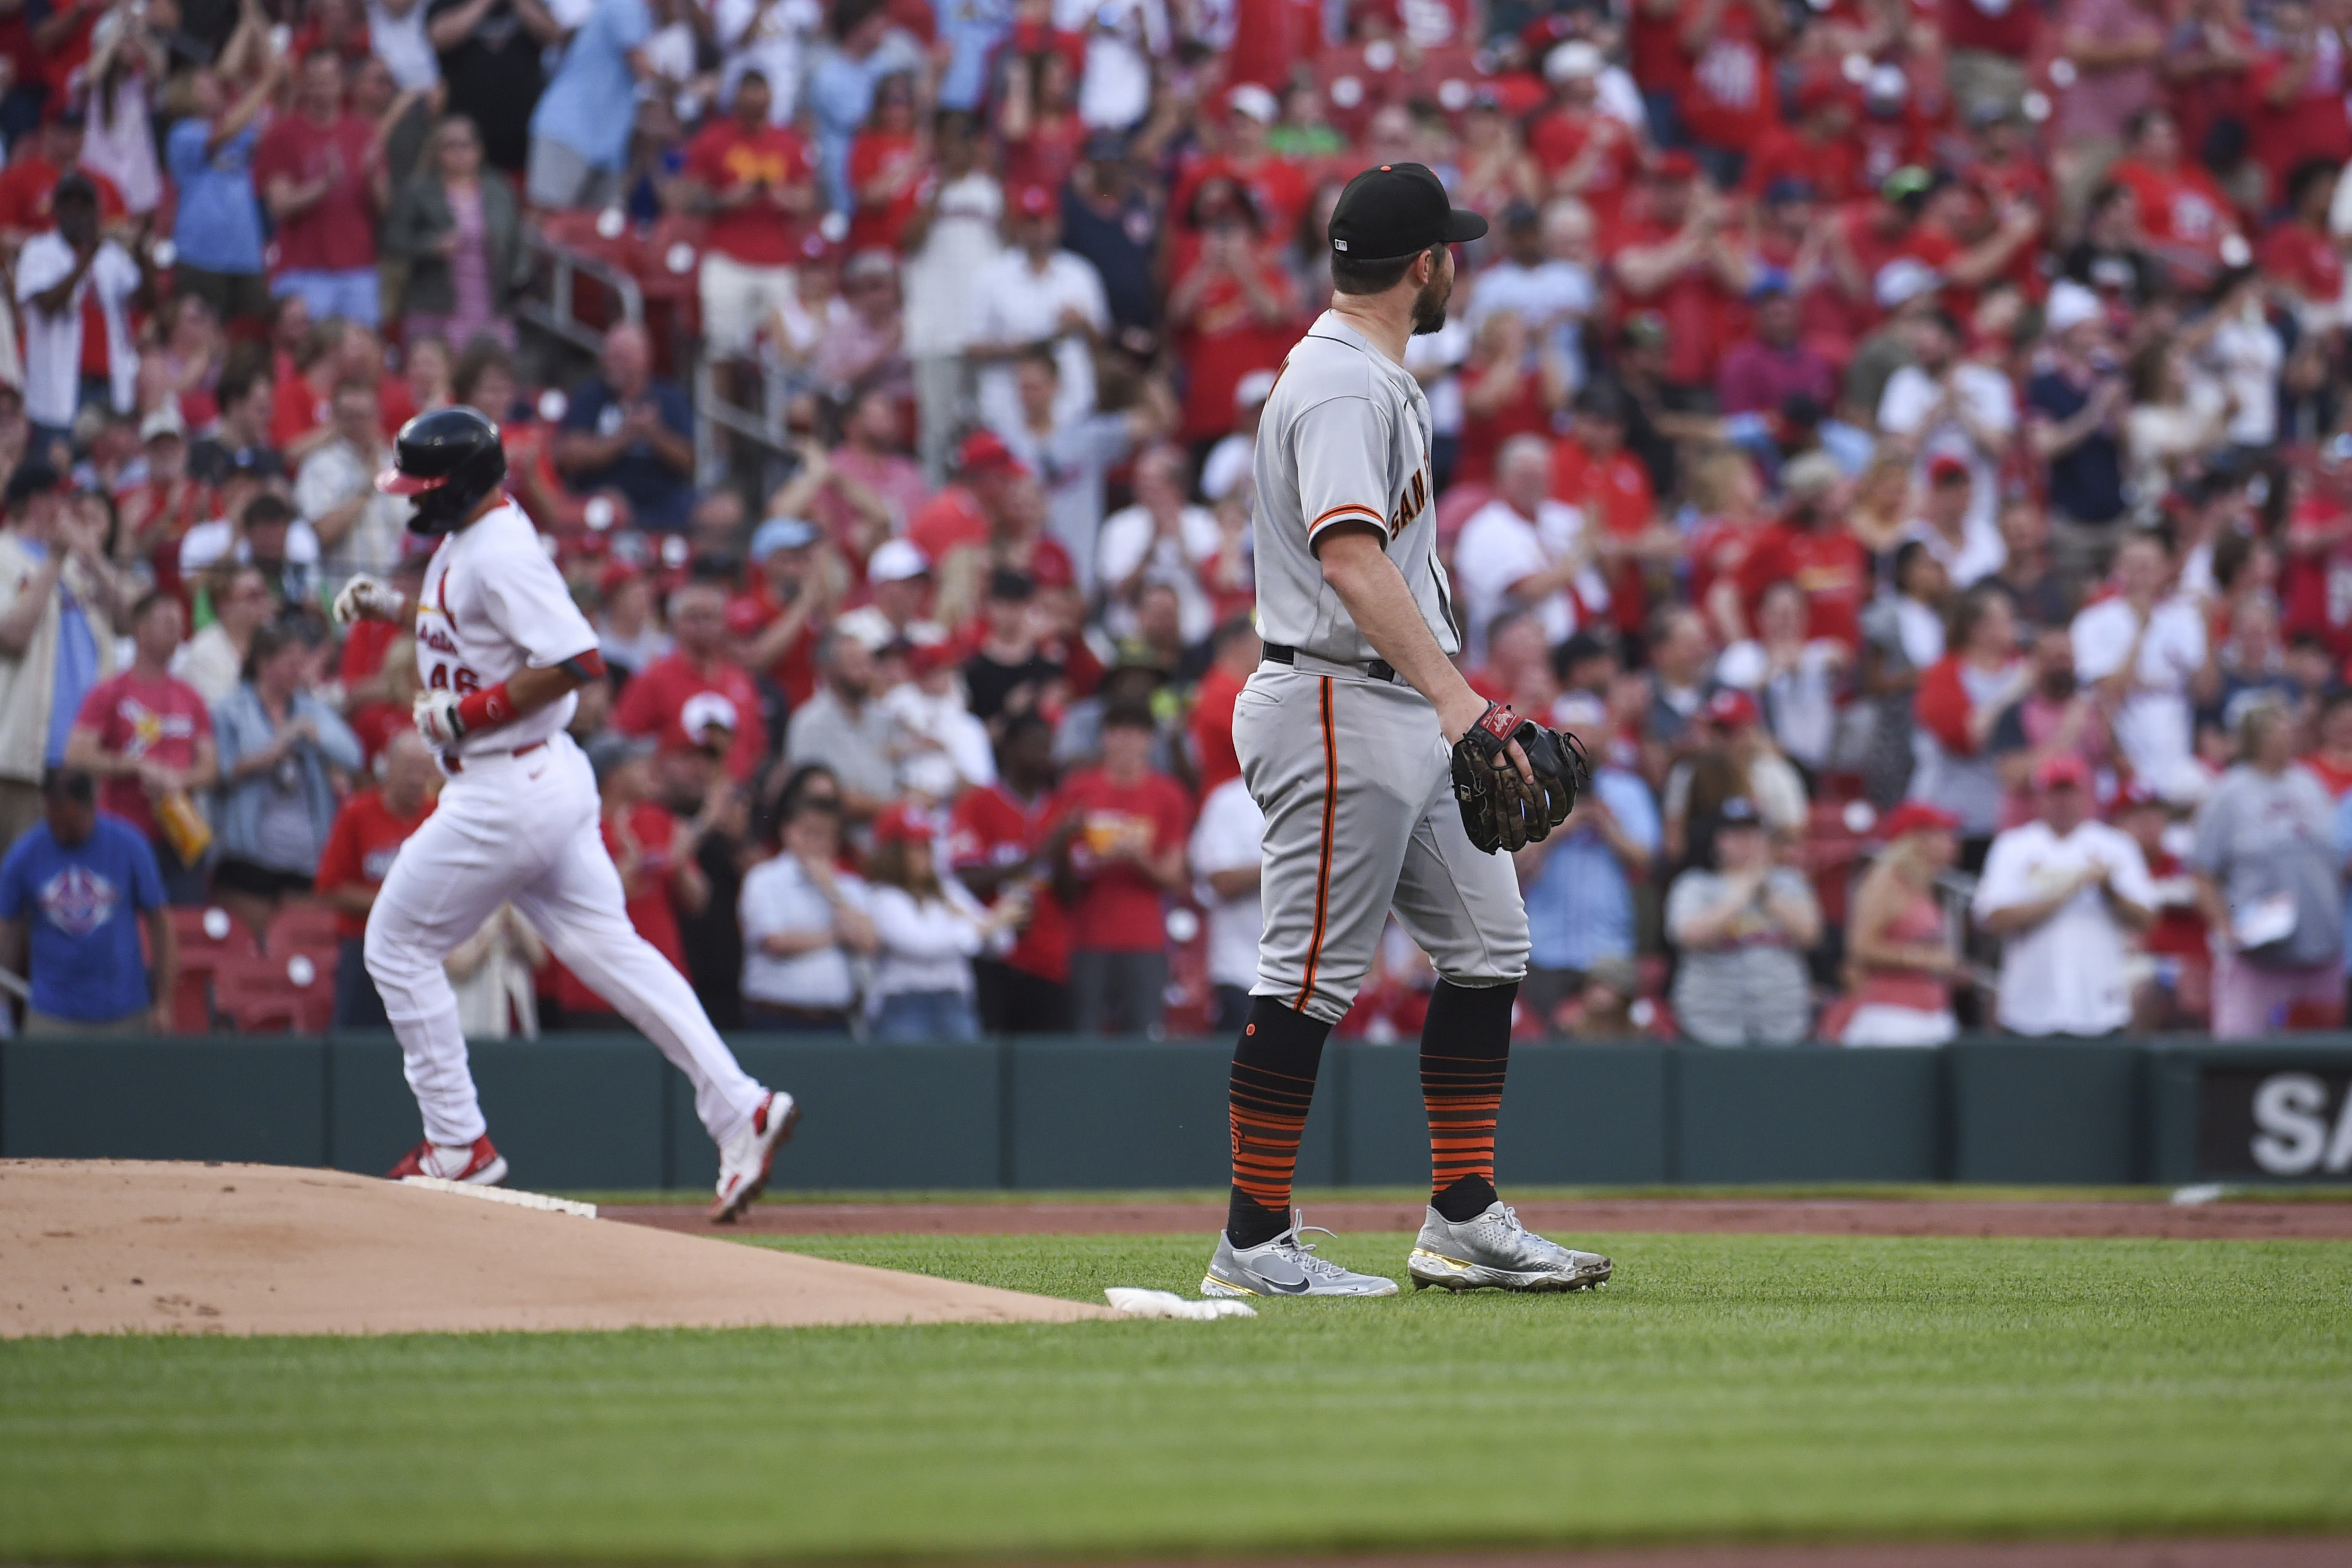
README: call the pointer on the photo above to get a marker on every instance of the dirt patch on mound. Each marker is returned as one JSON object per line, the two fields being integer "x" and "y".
{"x": 1567, "y": 1219}
{"x": 104, "y": 1247}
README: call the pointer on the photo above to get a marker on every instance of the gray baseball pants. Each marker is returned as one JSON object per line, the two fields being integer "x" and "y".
{"x": 1354, "y": 778}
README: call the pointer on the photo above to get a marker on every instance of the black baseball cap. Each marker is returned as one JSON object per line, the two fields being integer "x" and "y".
{"x": 32, "y": 477}
{"x": 1396, "y": 211}
{"x": 67, "y": 784}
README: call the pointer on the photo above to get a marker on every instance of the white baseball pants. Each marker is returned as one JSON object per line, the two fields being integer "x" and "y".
{"x": 524, "y": 830}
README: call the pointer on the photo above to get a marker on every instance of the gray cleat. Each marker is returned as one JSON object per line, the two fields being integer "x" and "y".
{"x": 1285, "y": 1266}
{"x": 1492, "y": 1247}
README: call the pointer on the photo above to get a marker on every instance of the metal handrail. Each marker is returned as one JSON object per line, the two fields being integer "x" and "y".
{"x": 555, "y": 315}
{"x": 713, "y": 413}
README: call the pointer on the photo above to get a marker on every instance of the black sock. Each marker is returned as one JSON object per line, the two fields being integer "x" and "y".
{"x": 1466, "y": 1046}
{"x": 1275, "y": 1063}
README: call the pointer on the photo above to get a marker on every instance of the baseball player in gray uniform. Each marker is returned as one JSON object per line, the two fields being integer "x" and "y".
{"x": 1347, "y": 737}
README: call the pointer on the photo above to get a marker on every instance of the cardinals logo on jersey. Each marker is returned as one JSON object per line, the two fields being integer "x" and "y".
{"x": 149, "y": 728}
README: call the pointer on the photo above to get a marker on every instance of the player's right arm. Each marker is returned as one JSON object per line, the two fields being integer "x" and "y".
{"x": 1342, "y": 445}
{"x": 365, "y": 598}
{"x": 1355, "y": 561}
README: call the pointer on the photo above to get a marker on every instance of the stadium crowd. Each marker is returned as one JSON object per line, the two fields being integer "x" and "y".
{"x": 1905, "y": 439}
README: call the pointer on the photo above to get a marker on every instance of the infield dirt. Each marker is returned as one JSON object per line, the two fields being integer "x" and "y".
{"x": 106, "y": 1247}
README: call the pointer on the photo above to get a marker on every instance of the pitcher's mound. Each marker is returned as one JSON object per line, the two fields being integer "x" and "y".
{"x": 106, "y": 1247}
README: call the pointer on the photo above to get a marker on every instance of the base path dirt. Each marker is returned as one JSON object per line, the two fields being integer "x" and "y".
{"x": 1564, "y": 1218}
{"x": 101, "y": 1246}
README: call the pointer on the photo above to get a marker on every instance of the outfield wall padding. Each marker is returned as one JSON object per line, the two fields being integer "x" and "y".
{"x": 591, "y": 1112}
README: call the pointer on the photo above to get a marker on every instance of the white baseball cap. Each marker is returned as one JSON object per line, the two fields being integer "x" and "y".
{"x": 1248, "y": 98}
{"x": 1582, "y": 712}
{"x": 895, "y": 561}
{"x": 1254, "y": 389}
{"x": 2070, "y": 306}
{"x": 704, "y": 711}
{"x": 1574, "y": 60}
{"x": 1902, "y": 281}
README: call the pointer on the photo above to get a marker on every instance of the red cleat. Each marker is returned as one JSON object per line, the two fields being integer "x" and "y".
{"x": 478, "y": 1165}
{"x": 744, "y": 1162}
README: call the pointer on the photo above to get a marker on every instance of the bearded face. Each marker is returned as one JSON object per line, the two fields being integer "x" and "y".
{"x": 1429, "y": 305}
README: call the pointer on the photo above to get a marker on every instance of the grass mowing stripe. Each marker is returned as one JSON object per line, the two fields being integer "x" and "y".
{"x": 1723, "y": 1387}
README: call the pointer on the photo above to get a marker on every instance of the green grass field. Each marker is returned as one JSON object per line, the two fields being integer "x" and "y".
{"x": 1311, "y": 1197}
{"x": 1724, "y": 1387}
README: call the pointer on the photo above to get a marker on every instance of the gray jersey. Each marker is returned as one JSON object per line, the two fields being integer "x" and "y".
{"x": 1345, "y": 438}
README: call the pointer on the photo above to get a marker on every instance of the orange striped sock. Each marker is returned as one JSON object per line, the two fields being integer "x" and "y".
{"x": 1274, "y": 1064}
{"x": 1466, "y": 1047}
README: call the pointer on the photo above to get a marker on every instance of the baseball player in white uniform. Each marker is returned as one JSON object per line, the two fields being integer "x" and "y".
{"x": 503, "y": 649}
{"x": 1352, "y": 735}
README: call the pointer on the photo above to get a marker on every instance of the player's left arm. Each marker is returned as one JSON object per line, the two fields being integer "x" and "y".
{"x": 443, "y": 717}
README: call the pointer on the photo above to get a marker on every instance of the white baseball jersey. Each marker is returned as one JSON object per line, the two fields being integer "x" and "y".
{"x": 1345, "y": 438}
{"x": 520, "y": 830}
{"x": 493, "y": 603}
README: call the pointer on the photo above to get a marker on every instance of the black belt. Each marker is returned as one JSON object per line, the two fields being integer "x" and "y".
{"x": 1378, "y": 668}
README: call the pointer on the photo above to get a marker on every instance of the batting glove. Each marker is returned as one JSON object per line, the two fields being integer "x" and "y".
{"x": 437, "y": 718}
{"x": 364, "y": 598}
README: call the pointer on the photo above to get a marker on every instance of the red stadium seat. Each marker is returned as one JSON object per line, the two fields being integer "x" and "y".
{"x": 1830, "y": 1027}
{"x": 1190, "y": 1003}
{"x": 1353, "y": 87}
{"x": 302, "y": 927}
{"x": 1833, "y": 847}
{"x": 1446, "y": 76}
{"x": 582, "y": 232}
{"x": 264, "y": 995}
{"x": 207, "y": 938}
{"x": 668, "y": 269}
{"x": 2306, "y": 1016}
{"x": 208, "y": 933}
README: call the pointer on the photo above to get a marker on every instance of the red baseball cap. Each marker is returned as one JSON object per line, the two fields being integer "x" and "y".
{"x": 747, "y": 616}
{"x": 1050, "y": 569}
{"x": 1917, "y": 816}
{"x": 1676, "y": 166}
{"x": 2065, "y": 768}
{"x": 1821, "y": 90}
{"x": 982, "y": 452}
{"x": 900, "y": 824}
{"x": 616, "y": 578}
{"x": 1943, "y": 468}
{"x": 1035, "y": 200}
{"x": 1731, "y": 706}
